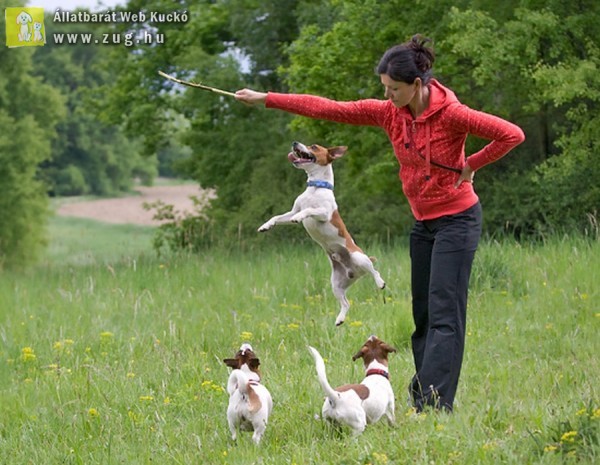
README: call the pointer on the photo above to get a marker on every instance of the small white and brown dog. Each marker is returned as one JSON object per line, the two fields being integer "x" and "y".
{"x": 317, "y": 210}
{"x": 357, "y": 405}
{"x": 250, "y": 402}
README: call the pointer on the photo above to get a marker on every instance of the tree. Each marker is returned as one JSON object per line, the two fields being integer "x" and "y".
{"x": 547, "y": 63}
{"x": 230, "y": 145}
{"x": 88, "y": 155}
{"x": 29, "y": 112}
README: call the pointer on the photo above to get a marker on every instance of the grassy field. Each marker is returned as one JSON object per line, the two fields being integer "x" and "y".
{"x": 111, "y": 355}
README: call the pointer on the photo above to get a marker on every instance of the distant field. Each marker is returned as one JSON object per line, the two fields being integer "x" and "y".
{"x": 110, "y": 354}
{"x": 130, "y": 209}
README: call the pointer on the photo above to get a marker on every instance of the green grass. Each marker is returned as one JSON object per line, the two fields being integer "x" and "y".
{"x": 110, "y": 354}
{"x": 77, "y": 241}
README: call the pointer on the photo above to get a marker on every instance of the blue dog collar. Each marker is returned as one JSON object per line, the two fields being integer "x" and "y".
{"x": 322, "y": 184}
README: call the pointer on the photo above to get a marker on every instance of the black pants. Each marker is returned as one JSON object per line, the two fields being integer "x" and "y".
{"x": 442, "y": 252}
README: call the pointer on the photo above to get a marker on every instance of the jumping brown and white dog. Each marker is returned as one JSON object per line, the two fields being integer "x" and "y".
{"x": 357, "y": 405}
{"x": 317, "y": 210}
{"x": 250, "y": 402}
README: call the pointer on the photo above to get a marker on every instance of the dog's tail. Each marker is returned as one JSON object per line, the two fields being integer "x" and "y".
{"x": 239, "y": 380}
{"x": 242, "y": 381}
{"x": 331, "y": 394}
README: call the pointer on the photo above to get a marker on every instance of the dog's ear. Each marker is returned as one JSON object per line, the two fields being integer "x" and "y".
{"x": 231, "y": 362}
{"x": 359, "y": 354}
{"x": 337, "y": 152}
{"x": 388, "y": 348}
{"x": 254, "y": 363}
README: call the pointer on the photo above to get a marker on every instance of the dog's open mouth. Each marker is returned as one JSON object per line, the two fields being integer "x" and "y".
{"x": 298, "y": 156}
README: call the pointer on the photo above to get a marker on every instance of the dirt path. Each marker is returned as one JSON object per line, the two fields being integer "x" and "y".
{"x": 130, "y": 210}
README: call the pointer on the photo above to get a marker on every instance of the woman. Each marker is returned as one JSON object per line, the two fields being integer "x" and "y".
{"x": 427, "y": 126}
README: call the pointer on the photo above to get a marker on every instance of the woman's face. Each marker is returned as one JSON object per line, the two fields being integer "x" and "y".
{"x": 400, "y": 93}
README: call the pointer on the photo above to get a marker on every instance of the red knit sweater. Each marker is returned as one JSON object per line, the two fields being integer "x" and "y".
{"x": 436, "y": 137}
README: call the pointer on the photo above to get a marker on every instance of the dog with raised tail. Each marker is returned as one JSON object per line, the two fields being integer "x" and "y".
{"x": 250, "y": 402}
{"x": 317, "y": 210}
{"x": 357, "y": 405}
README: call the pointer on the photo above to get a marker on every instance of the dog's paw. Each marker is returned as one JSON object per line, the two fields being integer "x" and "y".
{"x": 339, "y": 320}
{"x": 265, "y": 227}
{"x": 379, "y": 281}
{"x": 296, "y": 218}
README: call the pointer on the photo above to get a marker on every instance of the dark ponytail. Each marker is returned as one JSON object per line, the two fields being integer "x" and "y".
{"x": 408, "y": 61}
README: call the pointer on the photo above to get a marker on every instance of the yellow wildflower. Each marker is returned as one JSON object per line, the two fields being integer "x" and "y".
{"x": 146, "y": 398}
{"x": 92, "y": 412}
{"x": 132, "y": 416}
{"x": 246, "y": 335}
{"x": 356, "y": 324}
{"x": 27, "y": 354}
{"x": 490, "y": 445}
{"x": 380, "y": 458}
{"x": 293, "y": 326}
{"x": 411, "y": 411}
{"x": 454, "y": 454}
{"x": 550, "y": 448}
{"x": 569, "y": 436}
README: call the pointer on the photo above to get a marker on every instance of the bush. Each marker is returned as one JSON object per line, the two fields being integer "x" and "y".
{"x": 70, "y": 181}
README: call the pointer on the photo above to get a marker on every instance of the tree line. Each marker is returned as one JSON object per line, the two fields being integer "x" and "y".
{"x": 89, "y": 119}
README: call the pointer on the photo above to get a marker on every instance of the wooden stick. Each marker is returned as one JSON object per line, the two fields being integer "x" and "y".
{"x": 196, "y": 85}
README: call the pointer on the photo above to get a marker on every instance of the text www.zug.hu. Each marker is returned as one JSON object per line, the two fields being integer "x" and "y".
{"x": 128, "y": 39}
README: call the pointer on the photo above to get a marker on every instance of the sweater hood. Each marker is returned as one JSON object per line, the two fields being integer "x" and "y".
{"x": 439, "y": 97}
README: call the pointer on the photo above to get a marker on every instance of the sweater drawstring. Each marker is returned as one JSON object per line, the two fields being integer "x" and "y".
{"x": 409, "y": 139}
{"x": 406, "y": 140}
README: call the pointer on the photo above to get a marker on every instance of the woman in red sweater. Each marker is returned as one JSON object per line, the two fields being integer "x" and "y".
{"x": 427, "y": 127}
